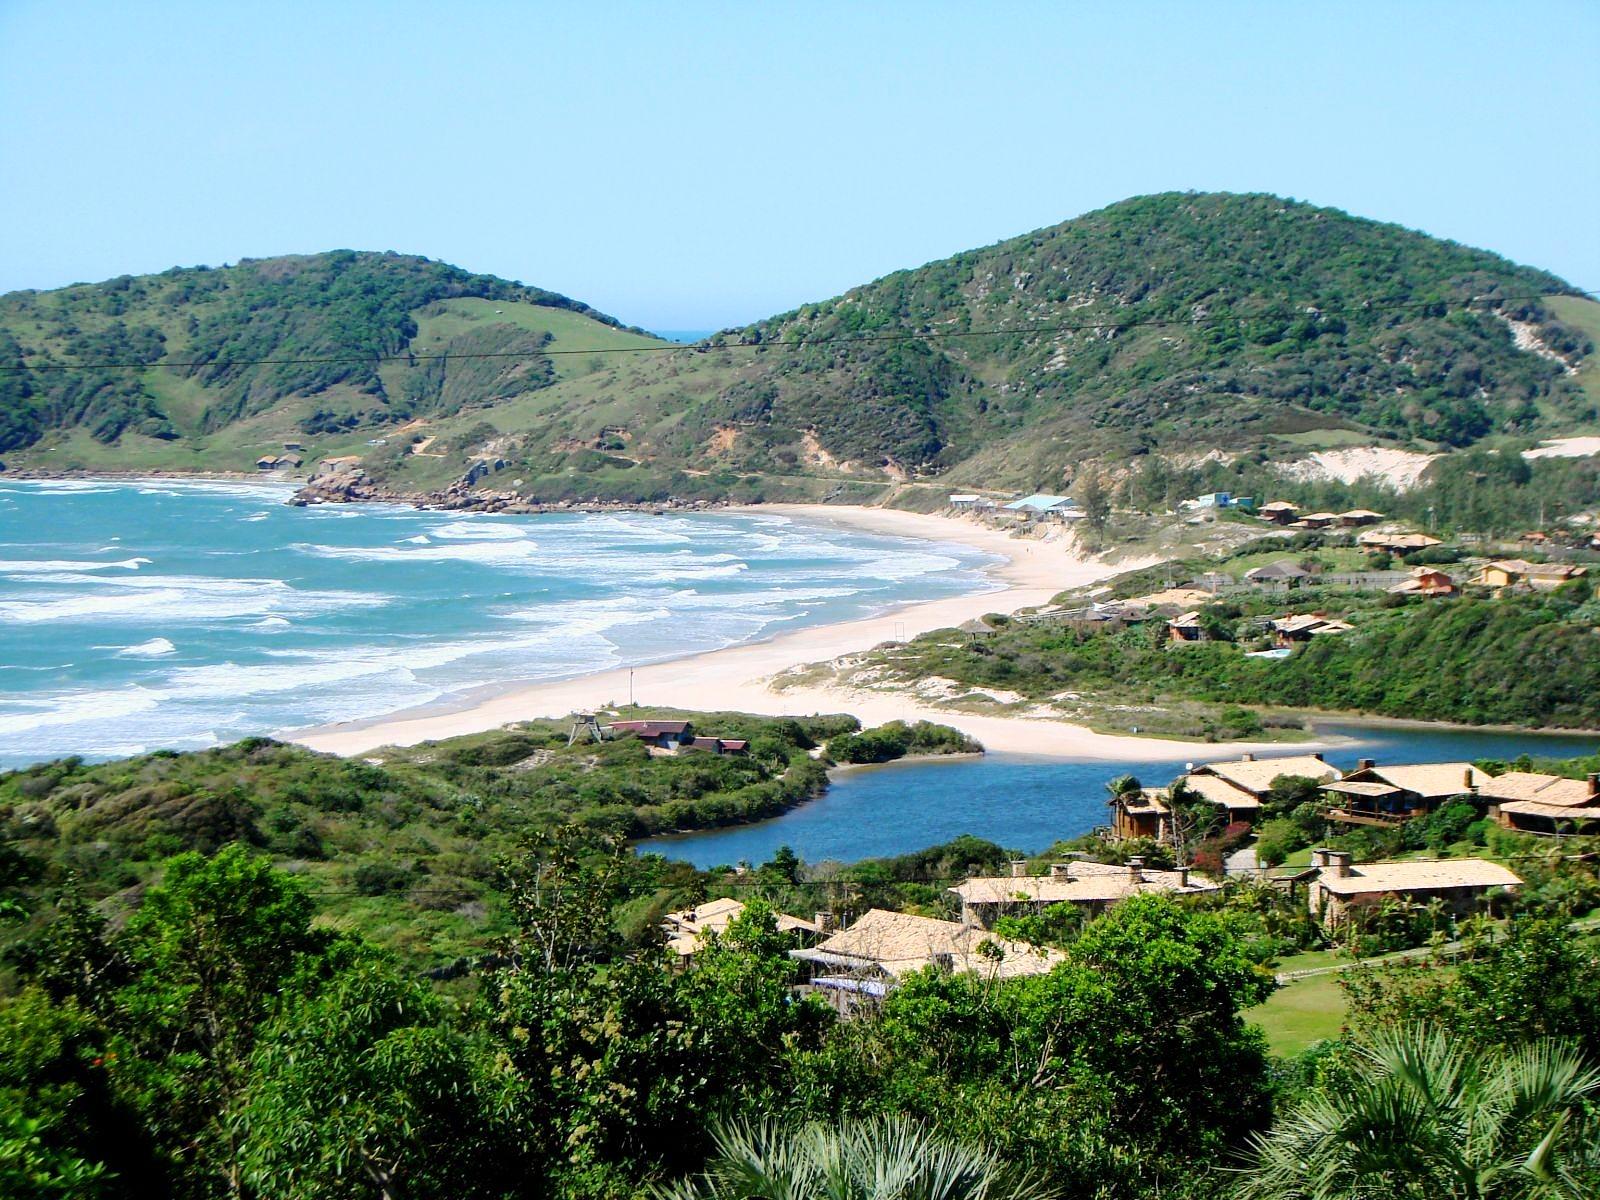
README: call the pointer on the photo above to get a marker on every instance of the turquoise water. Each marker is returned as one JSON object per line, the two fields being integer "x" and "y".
{"x": 1028, "y": 803}
{"x": 137, "y": 615}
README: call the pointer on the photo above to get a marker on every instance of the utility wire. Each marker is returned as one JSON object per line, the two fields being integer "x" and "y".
{"x": 703, "y": 347}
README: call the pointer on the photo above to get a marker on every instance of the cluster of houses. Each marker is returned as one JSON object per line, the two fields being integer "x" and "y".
{"x": 673, "y": 737}
{"x": 1371, "y": 795}
{"x": 863, "y": 962}
{"x": 289, "y": 460}
{"x": 1281, "y": 512}
{"x": 1516, "y": 574}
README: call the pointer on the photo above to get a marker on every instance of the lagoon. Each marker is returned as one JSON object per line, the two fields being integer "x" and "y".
{"x": 1028, "y": 803}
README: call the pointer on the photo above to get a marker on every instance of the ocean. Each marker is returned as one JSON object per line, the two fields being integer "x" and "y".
{"x": 137, "y": 615}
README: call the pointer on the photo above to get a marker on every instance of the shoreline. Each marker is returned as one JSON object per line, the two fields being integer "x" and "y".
{"x": 1031, "y": 572}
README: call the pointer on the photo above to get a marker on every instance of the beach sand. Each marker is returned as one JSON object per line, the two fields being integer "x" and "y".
{"x": 734, "y": 679}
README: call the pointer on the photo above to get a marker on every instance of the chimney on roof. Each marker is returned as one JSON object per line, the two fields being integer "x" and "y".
{"x": 1338, "y": 863}
{"x": 1136, "y": 868}
{"x": 1247, "y": 756}
{"x": 1061, "y": 870}
{"x": 1366, "y": 764}
{"x": 1467, "y": 778}
{"x": 1019, "y": 868}
{"x": 1594, "y": 785}
{"x": 1183, "y": 877}
{"x": 823, "y": 922}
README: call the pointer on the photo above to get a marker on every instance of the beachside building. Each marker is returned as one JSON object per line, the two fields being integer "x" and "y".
{"x": 688, "y": 929}
{"x": 862, "y": 963}
{"x": 1238, "y": 786}
{"x": 270, "y": 462}
{"x": 1359, "y": 516}
{"x": 1337, "y": 887}
{"x": 714, "y": 745}
{"x": 1302, "y": 627}
{"x": 1425, "y": 581}
{"x": 1316, "y": 520}
{"x": 1185, "y": 627}
{"x": 1278, "y": 576}
{"x": 1508, "y": 573}
{"x": 1279, "y": 512}
{"x": 1089, "y": 885}
{"x": 1548, "y": 805}
{"x": 1395, "y": 543}
{"x": 1388, "y": 796}
{"x": 658, "y": 735}
{"x": 1042, "y": 506}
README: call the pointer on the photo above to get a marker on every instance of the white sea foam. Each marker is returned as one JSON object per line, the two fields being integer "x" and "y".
{"x": 255, "y": 516}
{"x": 522, "y": 553}
{"x": 33, "y": 566}
{"x": 79, "y": 707}
{"x": 479, "y": 531}
{"x": 154, "y": 648}
{"x": 178, "y": 599}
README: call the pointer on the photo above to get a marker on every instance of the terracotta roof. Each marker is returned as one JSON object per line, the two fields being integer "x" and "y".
{"x": 1255, "y": 775}
{"x": 1185, "y": 619}
{"x": 1362, "y": 512}
{"x": 1085, "y": 883}
{"x": 1531, "y": 785}
{"x": 1298, "y": 623}
{"x": 899, "y": 943}
{"x": 1419, "y": 876}
{"x": 1279, "y": 506}
{"x": 1433, "y": 781}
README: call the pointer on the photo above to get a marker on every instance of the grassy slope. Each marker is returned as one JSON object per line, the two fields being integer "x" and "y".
{"x": 1583, "y": 314}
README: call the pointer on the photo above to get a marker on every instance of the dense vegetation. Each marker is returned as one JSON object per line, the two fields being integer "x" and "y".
{"x": 320, "y": 320}
{"x": 1518, "y": 660}
{"x": 1158, "y": 324}
{"x": 407, "y": 849}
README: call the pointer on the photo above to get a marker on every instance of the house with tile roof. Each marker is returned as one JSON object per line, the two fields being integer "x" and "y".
{"x": 689, "y": 929}
{"x": 1091, "y": 886}
{"x": 1239, "y": 785}
{"x": 862, "y": 963}
{"x": 1336, "y": 887}
{"x": 1547, "y": 805}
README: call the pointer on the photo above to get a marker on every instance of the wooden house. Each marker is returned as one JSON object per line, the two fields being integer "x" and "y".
{"x": 1141, "y": 814}
{"x": 659, "y": 735}
{"x": 1279, "y": 512}
{"x": 1280, "y": 575}
{"x": 1359, "y": 516}
{"x": 1302, "y": 627}
{"x": 1185, "y": 627}
{"x": 1389, "y": 796}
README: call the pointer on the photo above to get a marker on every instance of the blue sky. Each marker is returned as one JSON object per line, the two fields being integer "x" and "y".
{"x": 699, "y": 165}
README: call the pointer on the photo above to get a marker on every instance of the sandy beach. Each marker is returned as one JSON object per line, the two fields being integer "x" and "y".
{"x": 1030, "y": 572}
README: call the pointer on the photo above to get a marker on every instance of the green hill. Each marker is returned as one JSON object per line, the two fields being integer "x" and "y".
{"x": 271, "y": 350}
{"x": 1172, "y": 323}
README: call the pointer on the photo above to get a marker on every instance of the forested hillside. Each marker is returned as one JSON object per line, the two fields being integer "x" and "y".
{"x": 263, "y": 334}
{"x": 1170, "y": 323}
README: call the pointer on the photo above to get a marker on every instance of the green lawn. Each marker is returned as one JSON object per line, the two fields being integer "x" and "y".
{"x": 1300, "y": 1013}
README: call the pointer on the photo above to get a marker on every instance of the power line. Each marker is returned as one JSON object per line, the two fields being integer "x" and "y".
{"x": 412, "y": 358}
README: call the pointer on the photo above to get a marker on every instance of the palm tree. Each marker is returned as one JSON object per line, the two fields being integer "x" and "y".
{"x": 878, "y": 1158}
{"x": 1422, "y": 1118}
